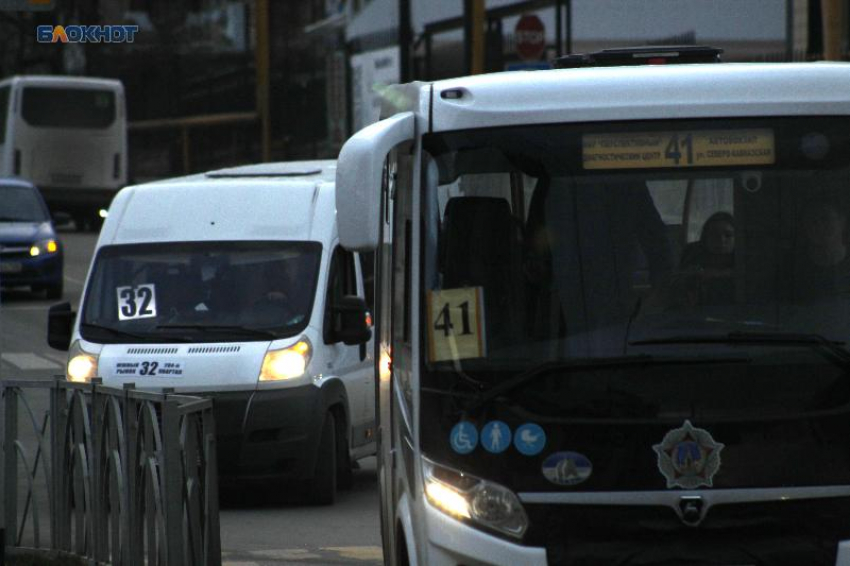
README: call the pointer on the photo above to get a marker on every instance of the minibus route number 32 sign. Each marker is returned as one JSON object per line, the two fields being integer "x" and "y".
{"x": 456, "y": 324}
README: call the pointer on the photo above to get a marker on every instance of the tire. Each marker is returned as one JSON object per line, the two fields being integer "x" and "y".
{"x": 323, "y": 485}
{"x": 344, "y": 477}
{"x": 55, "y": 291}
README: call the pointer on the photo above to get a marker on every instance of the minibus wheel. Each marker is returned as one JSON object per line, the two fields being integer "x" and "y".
{"x": 344, "y": 477}
{"x": 323, "y": 484}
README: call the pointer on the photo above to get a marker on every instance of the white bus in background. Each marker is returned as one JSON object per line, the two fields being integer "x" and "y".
{"x": 68, "y": 136}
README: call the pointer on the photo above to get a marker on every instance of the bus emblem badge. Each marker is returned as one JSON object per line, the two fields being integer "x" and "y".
{"x": 688, "y": 457}
{"x": 567, "y": 468}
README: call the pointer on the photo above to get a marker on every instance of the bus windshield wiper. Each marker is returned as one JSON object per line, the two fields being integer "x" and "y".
{"x": 119, "y": 333}
{"x": 579, "y": 364}
{"x": 836, "y": 348}
{"x": 15, "y": 219}
{"x": 220, "y": 328}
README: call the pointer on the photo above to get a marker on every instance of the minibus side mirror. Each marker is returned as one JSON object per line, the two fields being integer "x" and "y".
{"x": 359, "y": 171}
{"x": 60, "y": 321}
{"x": 350, "y": 320}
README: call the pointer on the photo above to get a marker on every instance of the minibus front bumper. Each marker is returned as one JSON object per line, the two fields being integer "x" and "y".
{"x": 268, "y": 435}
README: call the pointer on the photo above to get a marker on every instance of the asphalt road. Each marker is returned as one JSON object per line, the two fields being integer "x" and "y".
{"x": 254, "y": 531}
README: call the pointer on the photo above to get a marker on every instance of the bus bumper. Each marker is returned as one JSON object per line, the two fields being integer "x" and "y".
{"x": 70, "y": 199}
{"x": 451, "y": 542}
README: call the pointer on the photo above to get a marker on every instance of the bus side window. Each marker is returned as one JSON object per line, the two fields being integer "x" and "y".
{"x": 367, "y": 268}
{"x": 401, "y": 195}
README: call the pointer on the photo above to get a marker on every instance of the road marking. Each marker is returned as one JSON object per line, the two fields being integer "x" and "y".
{"x": 327, "y": 555}
{"x": 74, "y": 281}
{"x": 358, "y": 552}
{"x": 287, "y": 554}
{"x": 29, "y": 361}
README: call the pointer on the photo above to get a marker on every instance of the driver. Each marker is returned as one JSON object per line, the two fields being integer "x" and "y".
{"x": 824, "y": 268}
{"x": 265, "y": 294}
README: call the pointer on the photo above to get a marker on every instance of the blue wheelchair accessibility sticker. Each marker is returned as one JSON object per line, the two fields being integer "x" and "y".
{"x": 530, "y": 439}
{"x": 464, "y": 437}
{"x": 495, "y": 437}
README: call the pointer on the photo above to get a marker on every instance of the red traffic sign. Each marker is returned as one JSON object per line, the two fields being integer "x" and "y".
{"x": 530, "y": 37}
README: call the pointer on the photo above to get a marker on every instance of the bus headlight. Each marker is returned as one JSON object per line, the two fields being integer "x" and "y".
{"x": 82, "y": 366}
{"x": 44, "y": 247}
{"x": 287, "y": 363}
{"x": 474, "y": 500}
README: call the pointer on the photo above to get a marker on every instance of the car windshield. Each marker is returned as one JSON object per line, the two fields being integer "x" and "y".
{"x": 200, "y": 291}
{"x": 20, "y": 204}
{"x": 589, "y": 241}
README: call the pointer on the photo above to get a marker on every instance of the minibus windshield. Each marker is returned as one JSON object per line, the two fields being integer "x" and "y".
{"x": 200, "y": 291}
{"x": 557, "y": 242}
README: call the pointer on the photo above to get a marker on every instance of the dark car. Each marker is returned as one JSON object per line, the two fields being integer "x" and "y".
{"x": 30, "y": 251}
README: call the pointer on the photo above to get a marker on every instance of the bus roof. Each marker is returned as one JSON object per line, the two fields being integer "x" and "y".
{"x": 62, "y": 81}
{"x": 627, "y": 93}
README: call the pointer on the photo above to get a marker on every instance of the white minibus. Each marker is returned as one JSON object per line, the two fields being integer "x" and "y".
{"x": 232, "y": 285}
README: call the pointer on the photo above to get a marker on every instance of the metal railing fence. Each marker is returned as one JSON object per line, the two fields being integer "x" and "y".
{"x": 130, "y": 476}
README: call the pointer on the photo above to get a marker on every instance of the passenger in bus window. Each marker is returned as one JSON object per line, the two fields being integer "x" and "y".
{"x": 824, "y": 268}
{"x": 715, "y": 249}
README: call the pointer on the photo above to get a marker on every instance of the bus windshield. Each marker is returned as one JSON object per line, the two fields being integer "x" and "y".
{"x": 200, "y": 291}
{"x": 595, "y": 241}
{"x": 68, "y": 107}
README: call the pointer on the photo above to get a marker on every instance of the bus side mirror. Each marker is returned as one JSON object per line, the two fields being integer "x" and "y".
{"x": 350, "y": 320}
{"x": 359, "y": 170}
{"x": 60, "y": 321}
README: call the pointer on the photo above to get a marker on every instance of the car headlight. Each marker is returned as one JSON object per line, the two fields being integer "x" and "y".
{"x": 287, "y": 363}
{"x": 82, "y": 365}
{"x": 474, "y": 500}
{"x": 45, "y": 247}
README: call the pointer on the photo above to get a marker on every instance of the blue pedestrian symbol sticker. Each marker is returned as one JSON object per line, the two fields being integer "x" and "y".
{"x": 464, "y": 437}
{"x": 530, "y": 439}
{"x": 495, "y": 437}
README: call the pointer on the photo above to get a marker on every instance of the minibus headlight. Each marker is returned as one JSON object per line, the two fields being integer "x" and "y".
{"x": 287, "y": 363}
{"x": 44, "y": 247}
{"x": 82, "y": 366}
{"x": 474, "y": 500}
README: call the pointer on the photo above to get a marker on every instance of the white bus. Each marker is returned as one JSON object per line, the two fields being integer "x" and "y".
{"x": 68, "y": 136}
{"x": 613, "y": 304}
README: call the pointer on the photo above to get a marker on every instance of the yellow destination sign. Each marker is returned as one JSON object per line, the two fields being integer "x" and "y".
{"x": 456, "y": 324}
{"x": 647, "y": 150}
